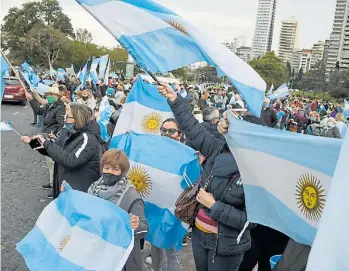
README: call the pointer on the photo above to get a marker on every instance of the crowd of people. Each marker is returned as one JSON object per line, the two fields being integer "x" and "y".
{"x": 222, "y": 238}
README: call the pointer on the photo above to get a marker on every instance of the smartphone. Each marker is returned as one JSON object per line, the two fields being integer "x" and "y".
{"x": 35, "y": 143}
{"x": 154, "y": 77}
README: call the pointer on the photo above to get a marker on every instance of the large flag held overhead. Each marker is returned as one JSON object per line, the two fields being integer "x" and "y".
{"x": 83, "y": 75}
{"x": 290, "y": 177}
{"x": 5, "y": 66}
{"x": 144, "y": 111}
{"x": 160, "y": 41}
{"x": 103, "y": 62}
{"x": 104, "y": 114}
{"x": 271, "y": 89}
{"x": 77, "y": 232}
{"x": 160, "y": 176}
{"x": 330, "y": 249}
{"x": 31, "y": 77}
{"x": 281, "y": 92}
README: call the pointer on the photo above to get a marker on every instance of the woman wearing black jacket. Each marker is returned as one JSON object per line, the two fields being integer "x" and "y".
{"x": 76, "y": 152}
{"x": 220, "y": 234}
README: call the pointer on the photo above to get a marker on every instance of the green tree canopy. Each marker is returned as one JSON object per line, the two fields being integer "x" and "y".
{"x": 270, "y": 68}
{"x": 83, "y": 35}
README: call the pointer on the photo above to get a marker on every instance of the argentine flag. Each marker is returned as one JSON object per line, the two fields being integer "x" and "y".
{"x": 281, "y": 92}
{"x": 271, "y": 89}
{"x": 160, "y": 40}
{"x": 330, "y": 250}
{"x": 346, "y": 108}
{"x": 103, "y": 61}
{"x": 5, "y": 126}
{"x": 78, "y": 232}
{"x": 160, "y": 170}
{"x": 286, "y": 176}
{"x": 104, "y": 114}
{"x": 144, "y": 111}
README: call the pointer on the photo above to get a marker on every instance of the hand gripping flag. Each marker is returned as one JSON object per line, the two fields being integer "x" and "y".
{"x": 160, "y": 170}
{"x": 78, "y": 232}
{"x": 160, "y": 41}
{"x": 286, "y": 176}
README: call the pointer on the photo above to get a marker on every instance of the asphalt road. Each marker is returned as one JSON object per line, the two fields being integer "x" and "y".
{"x": 23, "y": 171}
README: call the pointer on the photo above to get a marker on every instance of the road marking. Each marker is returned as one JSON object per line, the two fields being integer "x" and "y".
{"x": 15, "y": 113}
{"x": 26, "y": 106}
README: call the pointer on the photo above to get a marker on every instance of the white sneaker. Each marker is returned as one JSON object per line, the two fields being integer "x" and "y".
{"x": 148, "y": 260}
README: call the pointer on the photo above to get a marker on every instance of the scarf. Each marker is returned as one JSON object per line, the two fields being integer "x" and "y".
{"x": 110, "y": 193}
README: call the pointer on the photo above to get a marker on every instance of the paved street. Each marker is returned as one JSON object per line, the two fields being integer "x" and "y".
{"x": 23, "y": 171}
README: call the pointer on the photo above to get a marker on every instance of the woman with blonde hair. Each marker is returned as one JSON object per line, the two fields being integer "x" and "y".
{"x": 340, "y": 124}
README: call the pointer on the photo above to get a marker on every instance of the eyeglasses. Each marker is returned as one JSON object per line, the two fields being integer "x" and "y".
{"x": 170, "y": 131}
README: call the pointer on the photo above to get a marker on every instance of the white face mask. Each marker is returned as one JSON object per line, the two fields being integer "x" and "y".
{"x": 330, "y": 124}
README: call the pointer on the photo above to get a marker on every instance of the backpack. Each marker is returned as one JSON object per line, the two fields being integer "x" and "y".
{"x": 316, "y": 129}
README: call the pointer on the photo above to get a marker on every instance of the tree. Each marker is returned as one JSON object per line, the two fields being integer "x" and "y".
{"x": 181, "y": 73}
{"x": 270, "y": 68}
{"x": 49, "y": 44}
{"x": 83, "y": 35}
{"x": 20, "y": 21}
{"x": 300, "y": 74}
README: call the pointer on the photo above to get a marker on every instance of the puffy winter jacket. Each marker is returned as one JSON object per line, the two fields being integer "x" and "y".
{"x": 229, "y": 209}
{"x": 76, "y": 158}
{"x": 53, "y": 115}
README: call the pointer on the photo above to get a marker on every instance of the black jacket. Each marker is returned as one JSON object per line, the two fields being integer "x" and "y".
{"x": 53, "y": 115}
{"x": 268, "y": 117}
{"x": 229, "y": 209}
{"x": 212, "y": 128}
{"x": 76, "y": 158}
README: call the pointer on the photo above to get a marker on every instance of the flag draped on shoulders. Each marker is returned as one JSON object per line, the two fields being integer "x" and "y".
{"x": 78, "y": 232}
{"x": 160, "y": 170}
{"x": 144, "y": 111}
{"x": 286, "y": 176}
{"x": 330, "y": 249}
{"x": 160, "y": 41}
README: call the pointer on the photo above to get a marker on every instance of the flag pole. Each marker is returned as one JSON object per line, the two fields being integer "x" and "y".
{"x": 16, "y": 74}
{"x": 13, "y": 129}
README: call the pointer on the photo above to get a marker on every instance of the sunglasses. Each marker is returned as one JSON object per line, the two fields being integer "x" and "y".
{"x": 170, "y": 131}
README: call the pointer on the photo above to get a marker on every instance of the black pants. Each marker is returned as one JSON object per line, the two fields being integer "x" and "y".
{"x": 203, "y": 250}
{"x": 266, "y": 242}
{"x": 35, "y": 120}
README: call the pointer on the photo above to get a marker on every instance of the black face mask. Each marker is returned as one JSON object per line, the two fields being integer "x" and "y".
{"x": 84, "y": 98}
{"x": 111, "y": 179}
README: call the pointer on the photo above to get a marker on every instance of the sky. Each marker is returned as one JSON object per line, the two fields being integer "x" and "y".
{"x": 223, "y": 19}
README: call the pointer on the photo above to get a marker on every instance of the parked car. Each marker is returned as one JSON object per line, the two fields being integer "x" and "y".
{"x": 14, "y": 91}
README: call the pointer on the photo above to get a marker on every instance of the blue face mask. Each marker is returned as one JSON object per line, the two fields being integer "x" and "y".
{"x": 265, "y": 105}
{"x": 69, "y": 127}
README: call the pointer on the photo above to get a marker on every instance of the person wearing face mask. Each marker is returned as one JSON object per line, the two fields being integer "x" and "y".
{"x": 210, "y": 117}
{"x": 268, "y": 115}
{"x": 87, "y": 99}
{"x": 76, "y": 151}
{"x": 331, "y": 129}
{"x": 53, "y": 121}
{"x": 114, "y": 187}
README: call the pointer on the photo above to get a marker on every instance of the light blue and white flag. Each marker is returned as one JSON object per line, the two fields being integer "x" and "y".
{"x": 104, "y": 114}
{"x": 94, "y": 64}
{"x": 83, "y": 76}
{"x": 78, "y": 232}
{"x": 47, "y": 82}
{"x": 60, "y": 74}
{"x": 113, "y": 75}
{"x": 103, "y": 62}
{"x": 5, "y": 66}
{"x": 106, "y": 78}
{"x": 281, "y": 92}
{"x": 330, "y": 250}
{"x": 346, "y": 108}
{"x": 271, "y": 89}
{"x": 144, "y": 111}
{"x": 160, "y": 177}
{"x": 42, "y": 88}
{"x": 5, "y": 127}
{"x": 160, "y": 41}
{"x": 70, "y": 71}
{"x": 286, "y": 176}
{"x": 33, "y": 79}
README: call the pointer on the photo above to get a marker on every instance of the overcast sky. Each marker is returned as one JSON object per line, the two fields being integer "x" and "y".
{"x": 225, "y": 19}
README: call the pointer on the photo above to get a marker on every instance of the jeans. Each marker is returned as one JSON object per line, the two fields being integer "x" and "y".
{"x": 157, "y": 256}
{"x": 50, "y": 165}
{"x": 203, "y": 249}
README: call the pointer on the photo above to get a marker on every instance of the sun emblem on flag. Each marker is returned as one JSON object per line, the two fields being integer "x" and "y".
{"x": 151, "y": 123}
{"x": 64, "y": 241}
{"x": 178, "y": 26}
{"x": 139, "y": 177}
{"x": 310, "y": 196}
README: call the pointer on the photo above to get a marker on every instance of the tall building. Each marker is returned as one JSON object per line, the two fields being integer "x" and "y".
{"x": 325, "y": 54}
{"x": 240, "y": 41}
{"x": 264, "y": 30}
{"x": 339, "y": 39}
{"x": 288, "y": 39}
{"x": 317, "y": 53}
{"x": 301, "y": 58}
{"x": 229, "y": 45}
{"x": 244, "y": 53}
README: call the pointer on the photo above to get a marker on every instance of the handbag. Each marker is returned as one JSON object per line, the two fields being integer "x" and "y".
{"x": 186, "y": 204}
